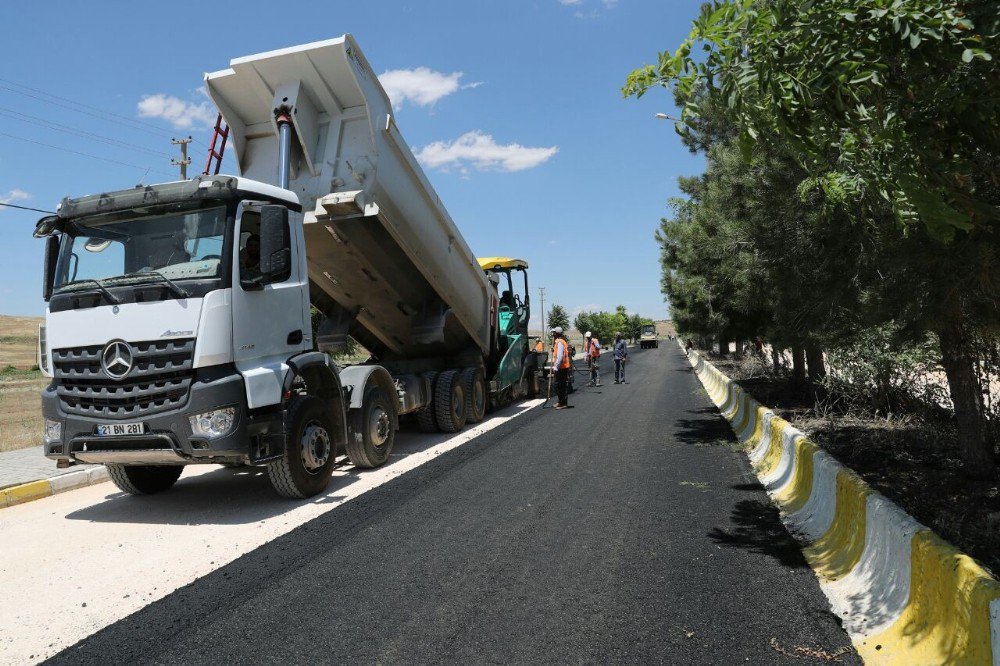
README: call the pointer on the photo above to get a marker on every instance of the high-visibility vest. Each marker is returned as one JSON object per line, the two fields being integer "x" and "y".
{"x": 595, "y": 349}
{"x": 561, "y": 343}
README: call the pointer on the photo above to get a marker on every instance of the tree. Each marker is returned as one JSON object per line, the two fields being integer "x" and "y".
{"x": 558, "y": 317}
{"x": 601, "y": 324}
{"x": 889, "y": 111}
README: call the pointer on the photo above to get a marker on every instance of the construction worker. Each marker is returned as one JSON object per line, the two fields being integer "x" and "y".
{"x": 594, "y": 359}
{"x": 539, "y": 345}
{"x": 562, "y": 362}
{"x": 621, "y": 355}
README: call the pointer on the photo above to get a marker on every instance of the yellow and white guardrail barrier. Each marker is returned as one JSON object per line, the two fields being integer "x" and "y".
{"x": 905, "y": 595}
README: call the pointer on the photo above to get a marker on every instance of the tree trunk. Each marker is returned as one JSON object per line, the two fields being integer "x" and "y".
{"x": 814, "y": 359}
{"x": 978, "y": 456}
{"x": 739, "y": 350}
{"x": 776, "y": 359}
{"x": 798, "y": 365}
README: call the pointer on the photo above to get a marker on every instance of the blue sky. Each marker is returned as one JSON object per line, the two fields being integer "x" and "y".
{"x": 514, "y": 108}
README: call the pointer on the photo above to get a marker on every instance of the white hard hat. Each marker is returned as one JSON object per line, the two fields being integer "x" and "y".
{"x": 587, "y": 334}
{"x": 557, "y": 329}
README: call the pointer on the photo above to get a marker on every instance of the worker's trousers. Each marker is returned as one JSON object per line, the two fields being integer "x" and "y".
{"x": 619, "y": 369}
{"x": 562, "y": 385}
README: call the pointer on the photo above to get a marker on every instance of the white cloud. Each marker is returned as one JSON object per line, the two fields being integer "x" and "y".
{"x": 589, "y": 307}
{"x": 592, "y": 14}
{"x": 482, "y": 152}
{"x": 12, "y": 196}
{"x": 609, "y": 4}
{"x": 569, "y": 2}
{"x": 176, "y": 111}
{"x": 421, "y": 86}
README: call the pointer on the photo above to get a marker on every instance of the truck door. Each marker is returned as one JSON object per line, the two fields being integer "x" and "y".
{"x": 270, "y": 310}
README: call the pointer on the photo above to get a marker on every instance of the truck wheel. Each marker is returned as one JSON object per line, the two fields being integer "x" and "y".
{"x": 425, "y": 417}
{"x": 449, "y": 401}
{"x": 373, "y": 430}
{"x": 307, "y": 465}
{"x": 475, "y": 395}
{"x": 144, "y": 479}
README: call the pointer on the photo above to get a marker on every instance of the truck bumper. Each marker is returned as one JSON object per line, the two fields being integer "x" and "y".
{"x": 167, "y": 438}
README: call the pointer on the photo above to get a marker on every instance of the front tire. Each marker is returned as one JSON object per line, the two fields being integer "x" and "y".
{"x": 307, "y": 464}
{"x": 373, "y": 430}
{"x": 449, "y": 401}
{"x": 144, "y": 479}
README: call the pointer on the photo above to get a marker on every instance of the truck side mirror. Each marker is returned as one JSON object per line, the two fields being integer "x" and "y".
{"x": 275, "y": 244}
{"x": 51, "y": 258}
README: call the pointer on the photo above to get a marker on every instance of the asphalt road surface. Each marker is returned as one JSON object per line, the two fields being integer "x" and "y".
{"x": 624, "y": 530}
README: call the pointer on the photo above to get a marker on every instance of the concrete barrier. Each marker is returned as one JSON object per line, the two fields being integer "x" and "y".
{"x": 905, "y": 596}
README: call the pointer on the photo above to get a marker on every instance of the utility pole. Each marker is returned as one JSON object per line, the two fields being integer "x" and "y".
{"x": 541, "y": 294}
{"x": 185, "y": 160}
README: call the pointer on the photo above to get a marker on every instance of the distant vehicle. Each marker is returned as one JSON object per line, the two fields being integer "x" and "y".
{"x": 648, "y": 338}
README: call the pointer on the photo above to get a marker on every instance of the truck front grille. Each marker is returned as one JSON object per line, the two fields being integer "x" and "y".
{"x": 160, "y": 380}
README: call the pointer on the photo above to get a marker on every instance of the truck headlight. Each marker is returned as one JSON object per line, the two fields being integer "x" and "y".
{"x": 53, "y": 431}
{"x": 215, "y": 423}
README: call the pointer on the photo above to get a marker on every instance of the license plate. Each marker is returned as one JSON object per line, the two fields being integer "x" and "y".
{"x": 119, "y": 429}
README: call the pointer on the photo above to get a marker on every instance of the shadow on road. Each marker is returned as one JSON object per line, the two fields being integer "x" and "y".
{"x": 704, "y": 430}
{"x": 757, "y": 528}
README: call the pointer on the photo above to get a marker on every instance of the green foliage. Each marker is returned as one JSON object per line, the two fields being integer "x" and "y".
{"x": 876, "y": 373}
{"x": 604, "y": 325}
{"x": 890, "y": 99}
{"x": 852, "y": 192}
{"x": 557, "y": 317}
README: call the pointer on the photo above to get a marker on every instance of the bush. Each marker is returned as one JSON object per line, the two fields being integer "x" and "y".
{"x": 878, "y": 373}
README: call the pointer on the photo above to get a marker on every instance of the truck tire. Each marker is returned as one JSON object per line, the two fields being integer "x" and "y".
{"x": 475, "y": 395}
{"x": 425, "y": 417}
{"x": 144, "y": 479}
{"x": 373, "y": 430}
{"x": 449, "y": 401}
{"x": 307, "y": 464}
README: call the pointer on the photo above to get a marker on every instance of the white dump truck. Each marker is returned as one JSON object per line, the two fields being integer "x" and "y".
{"x": 179, "y": 328}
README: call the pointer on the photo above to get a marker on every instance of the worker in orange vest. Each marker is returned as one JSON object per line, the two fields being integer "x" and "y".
{"x": 594, "y": 357}
{"x": 562, "y": 363}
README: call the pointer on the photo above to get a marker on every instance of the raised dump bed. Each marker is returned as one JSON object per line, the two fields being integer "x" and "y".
{"x": 387, "y": 264}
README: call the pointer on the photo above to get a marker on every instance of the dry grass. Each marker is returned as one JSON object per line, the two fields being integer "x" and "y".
{"x": 20, "y": 383}
{"x": 20, "y": 409}
{"x": 18, "y": 341}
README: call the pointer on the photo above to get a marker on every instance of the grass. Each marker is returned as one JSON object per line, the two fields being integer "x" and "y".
{"x": 21, "y": 383}
{"x": 20, "y": 408}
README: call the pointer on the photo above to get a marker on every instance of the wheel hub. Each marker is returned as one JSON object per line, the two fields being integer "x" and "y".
{"x": 315, "y": 446}
{"x": 379, "y": 426}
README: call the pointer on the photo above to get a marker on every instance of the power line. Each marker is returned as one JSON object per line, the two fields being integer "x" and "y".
{"x": 79, "y": 107}
{"x": 37, "y": 210}
{"x": 82, "y": 154}
{"x": 48, "y": 124}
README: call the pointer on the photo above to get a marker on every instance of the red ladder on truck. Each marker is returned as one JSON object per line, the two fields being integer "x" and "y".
{"x": 221, "y": 132}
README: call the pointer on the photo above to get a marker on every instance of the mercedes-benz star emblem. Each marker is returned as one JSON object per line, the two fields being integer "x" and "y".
{"x": 116, "y": 359}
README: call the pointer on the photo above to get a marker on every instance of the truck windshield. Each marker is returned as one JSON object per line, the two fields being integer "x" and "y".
{"x": 648, "y": 330}
{"x": 176, "y": 246}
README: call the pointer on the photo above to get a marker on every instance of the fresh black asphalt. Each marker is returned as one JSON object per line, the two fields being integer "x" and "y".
{"x": 625, "y": 530}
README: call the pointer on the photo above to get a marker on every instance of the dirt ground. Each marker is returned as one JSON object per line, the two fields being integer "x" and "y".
{"x": 20, "y": 383}
{"x": 913, "y": 460}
